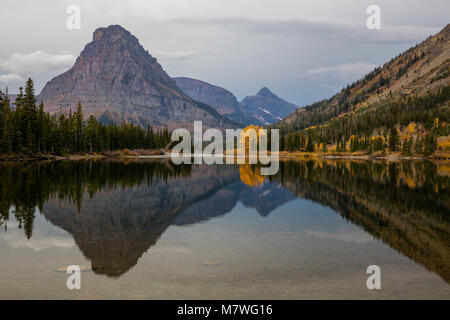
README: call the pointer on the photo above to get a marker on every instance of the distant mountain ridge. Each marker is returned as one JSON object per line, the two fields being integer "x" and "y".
{"x": 263, "y": 108}
{"x": 217, "y": 97}
{"x": 116, "y": 79}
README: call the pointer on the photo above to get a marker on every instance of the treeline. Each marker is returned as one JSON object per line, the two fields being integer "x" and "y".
{"x": 26, "y": 128}
{"x": 371, "y": 129}
{"x": 310, "y": 142}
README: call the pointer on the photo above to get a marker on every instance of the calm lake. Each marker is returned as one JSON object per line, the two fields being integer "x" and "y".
{"x": 147, "y": 229}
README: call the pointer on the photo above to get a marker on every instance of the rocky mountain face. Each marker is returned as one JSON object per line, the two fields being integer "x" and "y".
{"x": 422, "y": 69}
{"x": 116, "y": 79}
{"x": 261, "y": 109}
{"x": 217, "y": 97}
{"x": 267, "y": 106}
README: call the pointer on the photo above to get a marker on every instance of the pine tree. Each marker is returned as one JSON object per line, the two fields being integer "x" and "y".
{"x": 394, "y": 139}
{"x": 354, "y": 144}
{"x": 430, "y": 144}
{"x": 343, "y": 145}
{"x": 297, "y": 141}
{"x": 40, "y": 126}
{"x": 310, "y": 144}
{"x": 30, "y": 116}
{"x": 406, "y": 147}
{"x": 91, "y": 133}
{"x": 418, "y": 146}
{"x": 79, "y": 128}
{"x": 302, "y": 142}
{"x": 291, "y": 142}
{"x": 6, "y": 124}
{"x": 282, "y": 139}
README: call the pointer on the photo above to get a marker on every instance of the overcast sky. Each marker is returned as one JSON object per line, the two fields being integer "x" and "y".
{"x": 303, "y": 51}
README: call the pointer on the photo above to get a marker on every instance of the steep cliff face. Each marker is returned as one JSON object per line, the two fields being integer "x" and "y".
{"x": 116, "y": 79}
{"x": 217, "y": 97}
{"x": 267, "y": 106}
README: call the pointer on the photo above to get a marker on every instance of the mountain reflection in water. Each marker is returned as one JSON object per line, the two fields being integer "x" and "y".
{"x": 117, "y": 210}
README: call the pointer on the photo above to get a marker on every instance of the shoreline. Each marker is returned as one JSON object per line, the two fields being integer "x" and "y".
{"x": 47, "y": 157}
{"x": 382, "y": 157}
{"x": 157, "y": 154}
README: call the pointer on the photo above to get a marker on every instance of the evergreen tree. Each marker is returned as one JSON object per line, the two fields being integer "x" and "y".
{"x": 407, "y": 145}
{"x": 430, "y": 144}
{"x": 282, "y": 139}
{"x": 6, "y": 124}
{"x": 343, "y": 145}
{"x": 394, "y": 139}
{"x": 418, "y": 146}
{"x": 79, "y": 128}
{"x": 40, "y": 126}
{"x": 302, "y": 142}
{"x": 30, "y": 116}
{"x": 310, "y": 144}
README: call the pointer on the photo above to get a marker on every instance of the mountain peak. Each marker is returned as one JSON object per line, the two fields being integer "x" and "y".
{"x": 117, "y": 80}
{"x": 265, "y": 92}
{"x": 266, "y": 106}
{"x": 112, "y": 32}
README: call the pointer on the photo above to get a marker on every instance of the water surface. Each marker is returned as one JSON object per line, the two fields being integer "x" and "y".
{"x": 151, "y": 230}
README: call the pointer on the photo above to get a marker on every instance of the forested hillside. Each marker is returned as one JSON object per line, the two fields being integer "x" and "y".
{"x": 406, "y": 98}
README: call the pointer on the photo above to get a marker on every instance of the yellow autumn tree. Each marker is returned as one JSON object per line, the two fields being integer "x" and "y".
{"x": 246, "y": 136}
{"x": 411, "y": 128}
{"x": 250, "y": 175}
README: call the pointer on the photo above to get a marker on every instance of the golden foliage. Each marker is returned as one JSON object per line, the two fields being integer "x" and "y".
{"x": 411, "y": 128}
{"x": 247, "y": 138}
{"x": 250, "y": 175}
{"x": 444, "y": 143}
{"x": 444, "y": 170}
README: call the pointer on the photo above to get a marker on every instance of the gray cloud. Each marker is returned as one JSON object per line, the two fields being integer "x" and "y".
{"x": 10, "y": 77}
{"x": 36, "y": 62}
{"x": 345, "y": 72}
{"x": 172, "y": 55}
{"x": 325, "y": 27}
{"x": 240, "y": 45}
{"x": 39, "y": 64}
